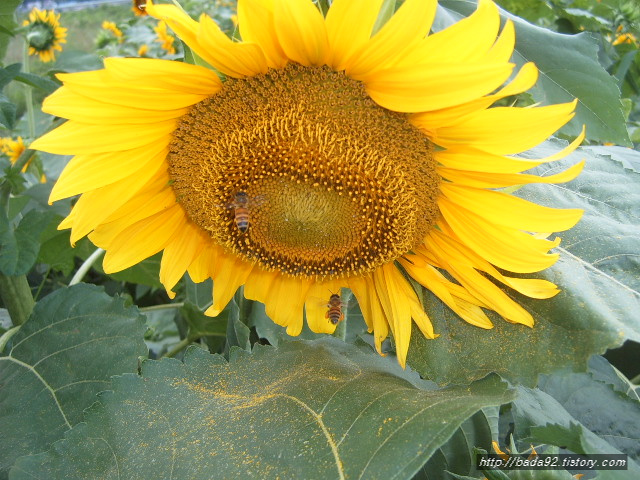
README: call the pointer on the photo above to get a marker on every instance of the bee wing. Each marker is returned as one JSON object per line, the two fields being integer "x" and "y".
{"x": 258, "y": 200}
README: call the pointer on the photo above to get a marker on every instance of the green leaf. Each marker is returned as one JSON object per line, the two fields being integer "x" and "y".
{"x": 147, "y": 272}
{"x": 312, "y": 410}
{"x": 569, "y": 69}
{"x": 19, "y": 246}
{"x": 7, "y": 113}
{"x": 74, "y": 341}
{"x": 199, "y": 294}
{"x": 7, "y": 74}
{"x": 583, "y": 397}
{"x": 56, "y": 249}
{"x": 598, "y": 274}
{"x": 540, "y": 418}
{"x": 46, "y": 85}
{"x": 7, "y": 8}
{"x": 457, "y": 454}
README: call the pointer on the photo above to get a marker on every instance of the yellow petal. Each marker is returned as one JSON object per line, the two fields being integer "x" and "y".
{"x": 452, "y": 295}
{"x": 143, "y": 239}
{"x": 93, "y": 207}
{"x": 396, "y": 306}
{"x": 506, "y": 130}
{"x": 68, "y": 104}
{"x": 471, "y": 159}
{"x": 349, "y": 25}
{"x": 153, "y": 198}
{"x": 502, "y": 50}
{"x": 256, "y": 24}
{"x": 301, "y": 31}
{"x": 185, "y": 27}
{"x": 179, "y": 253}
{"x": 202, "y": 267}
{"x": 421, "y": 88}
{"x": 468, "y": 40}
{"x": 74, "y": 138}
{"x": 165, "y": 74}
{"x": 408, "y": 25}
{"x": 512, "y": 212}
{"x": 500, "y": 180}
{"x": 91, "y": 171}
{"x": 506, "y": 248}
{"x": 428, "y": 121}
{"x": 231, "y": 58}
{"x": 370, "y": 303}
{"x": 229, "y": 274}
{"x": 286, "y": 301}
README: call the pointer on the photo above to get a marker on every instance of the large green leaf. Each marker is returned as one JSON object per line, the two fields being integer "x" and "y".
{"x": 74, "y": 341}
{"x": 598, "y": 273}
{"x": 7, "y": 7}
{"x": 312, "y": 410}
{"x": 569, "y": 69}
{"x": 583, "y": 398}
{"x": 539, "y": 417}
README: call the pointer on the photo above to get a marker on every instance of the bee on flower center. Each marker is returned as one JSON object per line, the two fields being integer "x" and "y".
{"x": 241, "y": 205}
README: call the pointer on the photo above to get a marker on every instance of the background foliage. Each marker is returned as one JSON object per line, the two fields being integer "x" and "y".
{"x": 88, "y": 388}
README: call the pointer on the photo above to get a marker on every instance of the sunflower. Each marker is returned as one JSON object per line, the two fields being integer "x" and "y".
{"x": 331, "y": 155}
{"x": 113, "y": 28}
{"x": 13, "y": 149}
{"x": 44, "y": 34}
{"x": 139, "y": 7}
{"x": 164, "y": 38}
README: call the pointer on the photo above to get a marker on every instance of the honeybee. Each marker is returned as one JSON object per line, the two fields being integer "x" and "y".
{"x": 241, "y": 205}
{"x": 334, "y": 312}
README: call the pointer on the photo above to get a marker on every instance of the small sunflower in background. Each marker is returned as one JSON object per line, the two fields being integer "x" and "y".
{"x": 143, "y": 50}
{"x": 164, "y": 38}
{"x": 44, "y": 34}
{"x": 139, "y": 7}
{"x": 13, "y": 149}
{"x": 331, "y": 156}
{"x": 112, "y": 27}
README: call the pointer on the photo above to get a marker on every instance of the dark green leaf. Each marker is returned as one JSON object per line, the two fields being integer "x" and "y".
{"x": 598, "y": 274}
{"x": 583, "y": 397}
{"x": 540, "y": 418}
{"x": 8, "y": 73}
{"x": 237, "y": 332}
{"x": 41, "y": 83}
{"x": 312, "y": 410}
{"x": 7, "y": 7}
{"x": 201, "y": 325}
{"x": 7, "y": 113}
{"x": 457, "y": 455}
{"x": 602, "y": 371}
{"x": 146, "y": 272}
{"x": 74, "y": 341}
{"x": 56, "y": 249}
{"x": 199, "y": 294}
{"x": 19, "y": 246}
{"x": 569, "y": 69}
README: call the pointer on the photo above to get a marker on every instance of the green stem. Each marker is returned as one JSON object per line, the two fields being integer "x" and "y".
{"x": 31, "y": 118}
{"x": 164, "y": 306}
{"x": 17, "y": 298}
{"x": 181, "y": 345}
{"x": 84, "y": 268}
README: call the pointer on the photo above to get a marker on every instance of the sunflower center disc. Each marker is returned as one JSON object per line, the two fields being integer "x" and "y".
{"x": 300, "y": 171}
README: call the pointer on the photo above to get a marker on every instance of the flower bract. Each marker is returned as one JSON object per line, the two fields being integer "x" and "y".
{"x": 316, "y": 154}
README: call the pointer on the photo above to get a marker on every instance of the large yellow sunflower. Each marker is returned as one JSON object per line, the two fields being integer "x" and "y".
{"x": 330, "y": 155}
{"x": 45, "y": 36}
